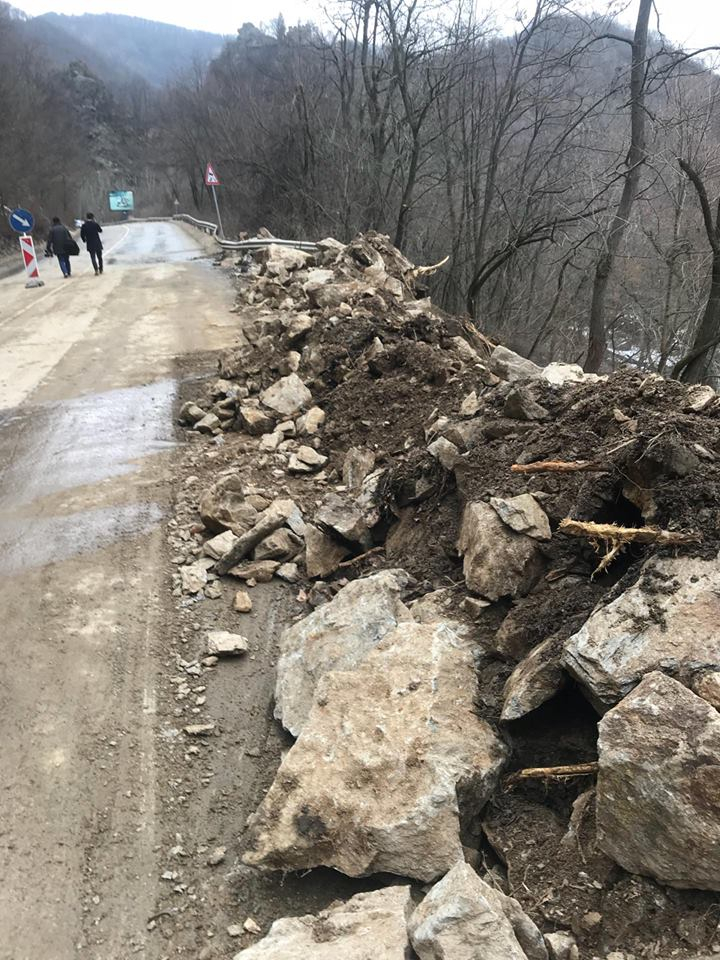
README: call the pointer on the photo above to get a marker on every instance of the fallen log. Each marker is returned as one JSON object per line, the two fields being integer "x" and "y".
{"x": 613, "y": 538}
{"x": 554, "y": 773}
{"x": 560, "y": 466}
{"x": 269, "y": 521}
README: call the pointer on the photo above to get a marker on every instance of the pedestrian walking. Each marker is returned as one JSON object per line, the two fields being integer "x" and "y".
{"x": 90, "y": 236}
{"x": 61, "y": 244}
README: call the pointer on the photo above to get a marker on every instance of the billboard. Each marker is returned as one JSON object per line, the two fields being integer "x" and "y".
{"x": 121, "y": 200}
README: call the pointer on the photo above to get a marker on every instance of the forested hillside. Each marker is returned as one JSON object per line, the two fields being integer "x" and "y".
{"x": 562, "y": 170}
{"x": 155, "y": 52}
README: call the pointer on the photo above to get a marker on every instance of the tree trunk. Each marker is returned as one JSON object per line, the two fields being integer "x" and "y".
{"x": 706, "y": 336}
{"x": 597, "y": 338}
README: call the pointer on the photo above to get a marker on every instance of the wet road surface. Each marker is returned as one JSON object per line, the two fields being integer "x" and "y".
{"x": 87, "y": 387}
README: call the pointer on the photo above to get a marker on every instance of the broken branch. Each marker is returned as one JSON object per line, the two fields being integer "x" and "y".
{"x": 554, "y": 773}
{"x": 560, "y": 466}
{"x": 425, "y": 271}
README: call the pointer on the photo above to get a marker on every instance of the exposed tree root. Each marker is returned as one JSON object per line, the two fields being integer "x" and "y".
{"x": 613, "y": 539}
{"x": 560, "y": 466}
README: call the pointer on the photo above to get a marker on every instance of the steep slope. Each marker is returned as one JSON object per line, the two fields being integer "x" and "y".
{"x": 129, "y": 46}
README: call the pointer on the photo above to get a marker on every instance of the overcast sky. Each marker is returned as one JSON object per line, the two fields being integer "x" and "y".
{"x": 693, "y": 23}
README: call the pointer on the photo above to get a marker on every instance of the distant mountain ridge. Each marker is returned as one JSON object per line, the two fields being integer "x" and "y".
{"x": 114, "y": 45}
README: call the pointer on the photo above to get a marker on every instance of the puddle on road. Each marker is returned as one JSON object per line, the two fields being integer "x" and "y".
{"x": 59, "y": 447}
{"x": 49, "y": 539}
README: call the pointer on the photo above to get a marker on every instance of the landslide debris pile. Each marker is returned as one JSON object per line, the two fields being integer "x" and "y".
{"x": 506, "y": 686}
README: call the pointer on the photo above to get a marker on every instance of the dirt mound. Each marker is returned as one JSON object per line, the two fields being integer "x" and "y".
{"x": 411, "y": 441}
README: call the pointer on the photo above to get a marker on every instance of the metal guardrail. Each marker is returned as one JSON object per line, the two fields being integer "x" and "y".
{"x": 255, "y": 243}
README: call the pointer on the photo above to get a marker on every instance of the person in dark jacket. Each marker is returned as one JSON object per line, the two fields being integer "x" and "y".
{"x": 90, "y": 236}
{"x": 60, "y": 243}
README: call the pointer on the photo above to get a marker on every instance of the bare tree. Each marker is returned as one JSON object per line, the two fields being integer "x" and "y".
{"x": 597, "y": 335}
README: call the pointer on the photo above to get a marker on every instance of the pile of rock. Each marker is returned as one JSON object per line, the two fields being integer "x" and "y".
{"x": 462, "y": 917}
{"x": 413, "y": 456}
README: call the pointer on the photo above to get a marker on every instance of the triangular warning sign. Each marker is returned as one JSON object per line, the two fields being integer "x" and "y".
{"x": 211, "y": 178}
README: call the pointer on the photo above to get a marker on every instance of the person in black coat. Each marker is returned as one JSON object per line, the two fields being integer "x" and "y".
{"x": 90, "y": 236}
{"x": 60, "y": 243}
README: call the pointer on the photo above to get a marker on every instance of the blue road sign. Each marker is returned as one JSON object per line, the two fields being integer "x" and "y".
{"x": 21, "y": 221}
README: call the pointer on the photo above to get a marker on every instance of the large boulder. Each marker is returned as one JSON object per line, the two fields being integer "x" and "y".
{"x": 287, "y": 396}
{"x": 280, "y": 261}
{"x": 667, "y": 621}
{"x": 511, "y": 366}
{"x": 498, "y": 561}
{"x": 464, "y": 918}
{"x": 223, "y": 507}
{"x": 369, "y": 924}
{"x": 374, "y": 780}
{"x": 336, "y": 636}
{"x": 658, "y": 788}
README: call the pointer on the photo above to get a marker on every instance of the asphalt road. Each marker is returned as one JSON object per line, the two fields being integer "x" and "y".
{"x": 88, "y": 371}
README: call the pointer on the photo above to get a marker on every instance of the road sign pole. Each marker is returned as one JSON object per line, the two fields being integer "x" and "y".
{"x": 217, "y": 211}
{"x": 27, "y": 248}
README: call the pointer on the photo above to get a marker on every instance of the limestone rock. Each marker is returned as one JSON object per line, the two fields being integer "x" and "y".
{"x": 209, "y": 424}
{"x": 511, "y": 366}
{"x": 219, "y": 545}
{"x": 667, "y": 621}
{"x": 374, "y": 780}
{"x": 699, "y": 397}
{"x": 261, "y": 571}
{"x": 271, "y": 441}
{"x": 242, "y": 602}
{"x": 658, "y": 802}
{"x": 368, "y": 925}
{"x": 561, "y": 946}
{"x": 309, "y": 424}
{"x": 280, "y": 545}
{"x": 519, "y": 405}
{"x": 707, "y": 686}
{"x": 255, "y": 421}
{"x": 523, "y": 514}
{"x": 331, "y": 295}
{"x": 322, "y": 553}
{"x": 558, "y": 374}
{"x": 193, "y": 577}
{"x": 300, "y": 325}
{"x": 534, "y": 681}
{"x": 223, "y": 507}
{"x": 470, "y": 405}
{"x": 190, "y": 413}
{"x": 279, "y": 260}
{"x": 445, "y": 452}
{"x": 359, "y": 463}
{"x": 498, "y": 562}
{"x": 341, "y": 518}
{"x": 320, "y": 275}
{"x": 287, "y": 396}
{"x": 289, "y": 572}
{"x": 464, "y": 918}
{"x": 220, "y": 643}
{"x": 306, "y": 460}
{"x": 336, "y": 636}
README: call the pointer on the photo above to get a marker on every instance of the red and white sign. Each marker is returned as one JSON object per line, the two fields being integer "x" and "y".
{"x": 211, "y": 178}
{"x": 28, "y": 251}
